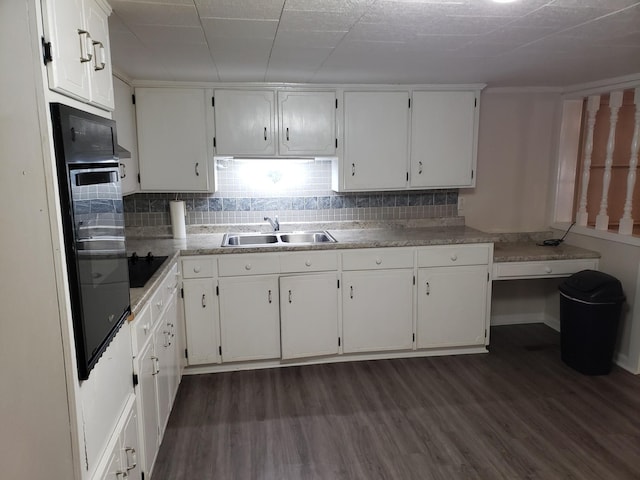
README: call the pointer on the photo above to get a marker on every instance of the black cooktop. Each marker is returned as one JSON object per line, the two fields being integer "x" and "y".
{"x": 141, "y": 269}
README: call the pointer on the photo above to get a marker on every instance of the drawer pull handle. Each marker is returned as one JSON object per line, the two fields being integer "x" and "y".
{"x": 428, "y": 289}
{"x": 247, "y": 266}
{"x": 353, "y": 169}
{"x": 204, "y": 304}
{"x": 419, "y": 168}
{"x": 308, "y": 263}
{"x": 351, "y": 291}
{"x": 196, "y": 269}
{"x": 145, "y": 328}
{"x": 378, "y": 261}
{"x": 132, "y": 451}
{"x": 289, "y": 296}
{"x": 454, "y": 257}
{"x": 265, "y": 134}
{"x": 548, "y": 269}
{"x": 269, "y": 296}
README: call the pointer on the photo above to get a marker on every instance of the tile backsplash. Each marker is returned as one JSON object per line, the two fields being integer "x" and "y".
{"x": 295, "y": 190}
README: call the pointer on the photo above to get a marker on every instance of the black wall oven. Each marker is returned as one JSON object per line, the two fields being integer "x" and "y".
{"x": 93, "y": 228}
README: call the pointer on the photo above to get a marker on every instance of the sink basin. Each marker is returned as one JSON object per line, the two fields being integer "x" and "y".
{"x": 307, "y": 237}
{"x": 275, "y": 239}
{"x": 239, "y": 239}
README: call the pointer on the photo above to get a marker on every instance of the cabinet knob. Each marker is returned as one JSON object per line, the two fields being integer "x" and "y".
{"x": 378, "y": 261}
{"x": 308, "y": 263}
{"x": 247, "y": 266}
{"x": 548, "y": 269}
{"x": 196, "y": 269}
{"x": 454, "y": 257}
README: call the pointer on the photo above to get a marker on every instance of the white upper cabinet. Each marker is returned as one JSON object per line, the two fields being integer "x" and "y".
{"x": 306, "y": 123}
{"x": 248, "y": 123}
{"x": 443, "y": 138}
{"x": 125, "y": 116}
{"x": 175, "y": 139}
{"x": 376, "y": 135}
{"x": 80, "y": 64}
{"x": 245, "y": 122}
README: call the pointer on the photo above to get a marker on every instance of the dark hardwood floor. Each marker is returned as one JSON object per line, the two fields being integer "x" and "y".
{"x": 516, "y": 413}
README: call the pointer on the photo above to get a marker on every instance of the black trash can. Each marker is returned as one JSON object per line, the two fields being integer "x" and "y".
{"x": 590, "y": 307}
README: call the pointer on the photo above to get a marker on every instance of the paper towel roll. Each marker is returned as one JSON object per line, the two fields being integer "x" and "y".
{"x": 176, "y": 207}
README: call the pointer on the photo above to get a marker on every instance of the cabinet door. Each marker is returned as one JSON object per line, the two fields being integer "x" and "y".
{"x": 174, "y": 134}
{"x": 377, "y": 310}
{"x": 309, "y": 315}
{"x": 442, "y": 139}
{"x": 201, "y": 321}
{"x": 163, "y": 375}
{"x": 376, "y": 136}
{"x": 125, "y": 116}
{"x": 71, "y": 45}
{"x": 245, "y": 122}
{"x": 249, "y": 318}
{"x": 452, "y": 306}
{"x": 307, "y": 123}
{"x": 101, "y": 81}
{"x": 146, "y": 396}
{"x": 130, "y": 446}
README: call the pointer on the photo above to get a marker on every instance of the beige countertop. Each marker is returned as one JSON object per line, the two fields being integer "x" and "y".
{"x": 210, "y": 244}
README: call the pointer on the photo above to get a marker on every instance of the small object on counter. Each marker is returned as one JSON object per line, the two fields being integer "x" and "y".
{"x": 178, "y": 227}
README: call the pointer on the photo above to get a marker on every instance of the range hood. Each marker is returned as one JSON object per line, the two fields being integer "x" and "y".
{"x": 122, "y": 152}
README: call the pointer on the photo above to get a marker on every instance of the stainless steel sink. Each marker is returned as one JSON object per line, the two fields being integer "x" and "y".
{"x": 239, "y": 239}
{"x": 274, "y": 239}
{"x": 307, "y": 237}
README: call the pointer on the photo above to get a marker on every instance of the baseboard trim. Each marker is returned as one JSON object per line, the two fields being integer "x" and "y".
{"x": 516, "y": 319}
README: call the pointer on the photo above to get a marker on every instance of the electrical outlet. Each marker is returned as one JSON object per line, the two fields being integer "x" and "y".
{"x": 460, "y": 203}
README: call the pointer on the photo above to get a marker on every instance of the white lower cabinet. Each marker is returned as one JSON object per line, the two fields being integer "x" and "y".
{"x": 122, "y": 459}
{"x": 202, "y": 321}
{"x": 377, "y": 309}
{"x": 452, "y": 306}
{"x": 249, "y": 318}
{"x": 309, "y": 315}
{"x": 157, "y": 365}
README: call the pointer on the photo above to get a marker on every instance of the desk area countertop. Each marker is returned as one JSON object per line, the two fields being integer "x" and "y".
{"x": 530, "y": 251}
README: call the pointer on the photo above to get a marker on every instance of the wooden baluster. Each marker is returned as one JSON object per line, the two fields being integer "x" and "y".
{"x": 615, "y": 102}
{"x": 593, "y": 104}
{"x": 626, "y": 222}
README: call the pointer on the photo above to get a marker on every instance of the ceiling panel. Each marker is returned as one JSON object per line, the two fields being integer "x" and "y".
{"x": 528, "y": 43}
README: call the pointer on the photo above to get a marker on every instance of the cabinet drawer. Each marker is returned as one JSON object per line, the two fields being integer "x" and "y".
{"x": 291, "y": 262}
{"x": 377, "y": 259}
{"x": 161, "y": 296}
{"x": 235, "y": 265}
{"x": 452, "y": 255}
{"x": 542, "y": 269}
{"x": 199, "y": 267}
{"x": 142, "y": 328}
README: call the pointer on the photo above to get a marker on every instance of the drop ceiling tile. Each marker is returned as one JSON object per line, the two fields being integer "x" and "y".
{"x": 297, "y": 21}
{"x": 161, "y": 35}
{"x": 248, "y": 9}
{"x": 465, "y": 25}
{"x": 559, "y": 18}
{"x": 239, "y": 28}
{"x": 295, "y": 64}
{"x": 309, "y": 39}
{"x": 328, "y": 5}
{"x": 608, "y": 4}
{"x": 617, "y": 24}
{"x": 237, "y": 52}
{"x": 133, "y": 58}
{"x": 379, "y": 32}
{"x": 135, "y": 13}
{"x": 517, "y": 35}
{"x": 439, "y": 43}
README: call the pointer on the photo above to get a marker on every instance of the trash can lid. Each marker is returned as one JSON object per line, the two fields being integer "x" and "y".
{"x": 593, "y": 286}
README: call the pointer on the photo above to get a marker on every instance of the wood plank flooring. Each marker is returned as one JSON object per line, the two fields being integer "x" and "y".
{"x": 516, "y": 413}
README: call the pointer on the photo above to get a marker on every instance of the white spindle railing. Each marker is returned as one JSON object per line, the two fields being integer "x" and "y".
{"x": 626, "y": 222}
{"x": 615, "y": 102}
{"x": 593, "y": 104}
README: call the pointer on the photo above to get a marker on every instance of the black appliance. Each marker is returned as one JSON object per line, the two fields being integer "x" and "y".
{"x": 93, "y": 229}
{"x": 141, "y": 269}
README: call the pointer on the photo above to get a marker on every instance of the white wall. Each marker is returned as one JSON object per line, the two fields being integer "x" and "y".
{"x": 516, "y": 150}
{"x": 36, "y": 436}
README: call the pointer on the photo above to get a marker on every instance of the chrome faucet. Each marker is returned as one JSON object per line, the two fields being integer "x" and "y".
{"x": 275, "y": 224}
